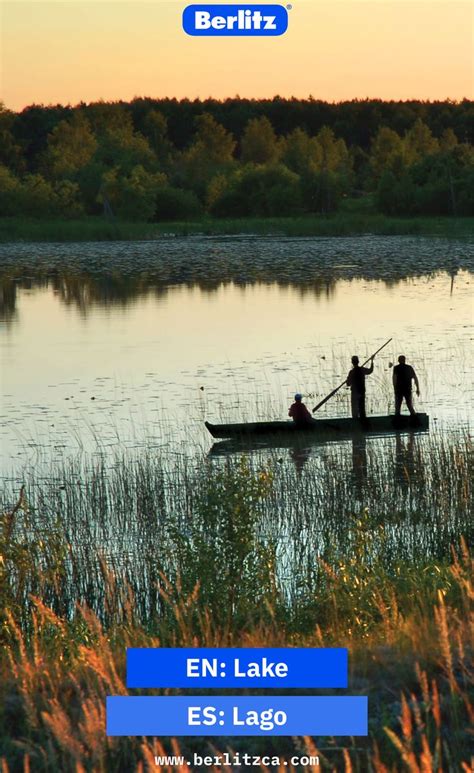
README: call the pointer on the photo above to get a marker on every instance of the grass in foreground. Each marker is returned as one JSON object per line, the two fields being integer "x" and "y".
{"x": 340, "y": 224}
{"x": 406, "y": 621}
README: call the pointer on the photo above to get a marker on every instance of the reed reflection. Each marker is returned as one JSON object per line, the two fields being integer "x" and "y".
{"x": 8, "y": 301}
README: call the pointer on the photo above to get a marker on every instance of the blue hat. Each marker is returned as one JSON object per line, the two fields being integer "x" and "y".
{"x": 298, "y": 396}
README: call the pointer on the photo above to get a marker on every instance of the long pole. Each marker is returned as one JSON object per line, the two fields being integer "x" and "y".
{"x": 331, "y": 394}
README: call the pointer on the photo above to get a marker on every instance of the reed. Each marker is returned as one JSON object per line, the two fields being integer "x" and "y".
{"x": 242, "y": 552}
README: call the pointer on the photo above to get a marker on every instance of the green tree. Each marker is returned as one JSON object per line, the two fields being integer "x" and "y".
{"x": 68, "y": 198}
{"x": 385, "y": 199}
{"x": 300, "y": 152}
{"x": 89, "y": 179}
{"x": 156, "y": 131}
{"x": 123, "y": 148}
{"x": 386, "y": 152}
{"x": 448, "y": 140}
{"x": 259, "y": 144}
{"x": 10, "y": 188}
{"x": 107, "y": 116}
{"x": 71, "y": 146}
{"x": 261, "y": 191}
{"x": 333, "y": 153}
{"x": 10, "y": 150}
{"x": 213, "y": 140}
{"x": 37, "y": 197}
{"x": 441, "y": 180}
{"x": 210, "y": 153}
{"x": 132, "y": 196}
{"x": 419, "y": 142}
{"x": 322, "y": 191}
{"x": 334, "y": 175}
{"x": 217, "y": 187}
{"x": 397, "y": 196}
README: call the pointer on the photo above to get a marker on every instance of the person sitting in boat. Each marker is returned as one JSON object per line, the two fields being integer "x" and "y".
{"x": 356, "y": 383}
{"x": 299, "y": 412}
{"x": 403, "y": 375}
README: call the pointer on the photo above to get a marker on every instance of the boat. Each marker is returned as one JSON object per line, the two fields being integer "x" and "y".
{"x": 335, "y": 427}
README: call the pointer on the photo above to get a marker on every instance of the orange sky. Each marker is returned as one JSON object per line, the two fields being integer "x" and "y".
{"x": 335, "y": 49}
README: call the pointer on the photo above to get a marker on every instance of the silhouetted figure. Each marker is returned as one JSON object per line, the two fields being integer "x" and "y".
{"x": 403, "y": 375}
{"x": 356, "y": 382}
{"x": 299, "y": 412}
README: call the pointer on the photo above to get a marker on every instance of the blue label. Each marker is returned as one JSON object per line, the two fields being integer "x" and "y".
{"x": 225, "y": 20}
{"x": 237, "y": 715}
{"x": 240, "y": 667}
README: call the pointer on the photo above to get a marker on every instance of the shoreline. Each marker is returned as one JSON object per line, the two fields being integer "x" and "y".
{"x": 18, "y": 230}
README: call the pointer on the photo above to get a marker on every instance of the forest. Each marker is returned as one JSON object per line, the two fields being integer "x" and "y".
{"x": 154, "y": 160}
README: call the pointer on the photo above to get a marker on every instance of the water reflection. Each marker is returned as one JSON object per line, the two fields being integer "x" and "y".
{"x": 299, "y": 457}
{"x": 118, "y": 274}
{"x": 109, "y": 354}
{"x": 85, "y": 292}
{"x": 404, "y": 460}
{"x": 359, "y": 462}
{"x": 8, "y": 300}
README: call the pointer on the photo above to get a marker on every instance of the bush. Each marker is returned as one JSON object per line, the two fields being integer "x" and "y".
{"x": 36, "y": 197}
{"x": 261, "y": 191}
{"x": 131, "y": 196}
{"x": 9, "y": 192}
{"x": 68, "y": 199}
{"x": 176, "y": 204}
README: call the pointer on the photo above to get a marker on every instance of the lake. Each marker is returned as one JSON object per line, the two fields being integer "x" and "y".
{"x": 122, "y": 345}
{"x": 113, "y": 355}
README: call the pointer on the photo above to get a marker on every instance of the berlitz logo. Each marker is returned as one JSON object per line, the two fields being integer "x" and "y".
{"x": 235, "y": 20}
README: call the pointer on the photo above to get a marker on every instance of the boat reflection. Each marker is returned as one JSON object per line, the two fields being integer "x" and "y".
{"x": 300, "y": 452}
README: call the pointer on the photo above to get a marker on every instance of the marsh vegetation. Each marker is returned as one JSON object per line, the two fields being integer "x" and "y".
{"x": 119, "y": 527}
{"x": 241, "y": 551}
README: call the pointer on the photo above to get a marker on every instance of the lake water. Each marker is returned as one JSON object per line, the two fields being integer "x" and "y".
{"x": 107, "y": 346}
{"x": 113, "y": 355}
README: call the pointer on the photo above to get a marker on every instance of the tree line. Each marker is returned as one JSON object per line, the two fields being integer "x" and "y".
{"x": 168, "y": 159}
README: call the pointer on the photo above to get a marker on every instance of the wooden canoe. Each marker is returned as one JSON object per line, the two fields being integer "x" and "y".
{"x": 322, "y": 427}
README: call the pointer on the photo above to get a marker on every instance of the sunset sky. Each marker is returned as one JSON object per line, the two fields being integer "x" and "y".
{"x": 65, "y": 52}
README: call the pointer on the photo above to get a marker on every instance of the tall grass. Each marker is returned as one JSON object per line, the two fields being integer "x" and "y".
{"x": 242, "y": 552}
{"x": 145, "y": 514}
{"x": 339, "y": 224}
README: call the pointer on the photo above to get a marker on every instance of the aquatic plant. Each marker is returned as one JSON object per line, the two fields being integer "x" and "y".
{"x": 249, "y": 550}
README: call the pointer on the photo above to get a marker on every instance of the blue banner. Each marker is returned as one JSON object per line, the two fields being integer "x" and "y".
{"x": 226, "y": 20}
{"x": 236, "y": 715}
{"x": 241, "y": 667}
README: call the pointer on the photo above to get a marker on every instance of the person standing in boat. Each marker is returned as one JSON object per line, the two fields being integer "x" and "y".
{"x": 356, "y": 383}
{"x": 299, "y": 412}
{"x": 403, "y": 375}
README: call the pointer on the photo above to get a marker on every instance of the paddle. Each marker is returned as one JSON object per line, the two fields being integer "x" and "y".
{"x": 328, "y": 397}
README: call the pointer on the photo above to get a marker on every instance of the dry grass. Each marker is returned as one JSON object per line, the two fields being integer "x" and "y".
{"x": 408, "y": 624}
{"x": 54, "y": 685}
